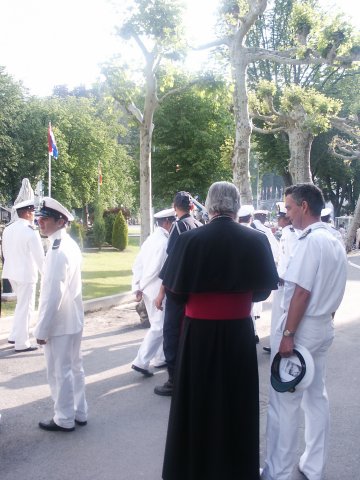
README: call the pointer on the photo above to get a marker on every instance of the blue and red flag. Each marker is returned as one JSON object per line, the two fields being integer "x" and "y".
{"x": 53, "y": 151}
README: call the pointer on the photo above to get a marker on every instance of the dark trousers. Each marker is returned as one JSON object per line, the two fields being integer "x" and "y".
{"x": 174, "y": 315}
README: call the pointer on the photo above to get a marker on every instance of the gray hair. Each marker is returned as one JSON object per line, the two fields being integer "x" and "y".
{"x": 223, "y": 198}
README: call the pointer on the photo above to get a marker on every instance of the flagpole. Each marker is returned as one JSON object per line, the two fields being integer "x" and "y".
{"x": 49, "y": 185}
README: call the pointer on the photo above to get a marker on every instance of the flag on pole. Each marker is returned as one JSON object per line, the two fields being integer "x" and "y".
{"x": 53, "y": 151}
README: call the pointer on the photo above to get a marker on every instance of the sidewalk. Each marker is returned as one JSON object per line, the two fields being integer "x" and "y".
{"x": 125, "y": 436}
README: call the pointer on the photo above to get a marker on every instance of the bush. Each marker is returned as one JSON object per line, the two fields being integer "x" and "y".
{"x": 109, "y": 225}
{"x": 120, "y": 232}
{"x": 77, "y": 233}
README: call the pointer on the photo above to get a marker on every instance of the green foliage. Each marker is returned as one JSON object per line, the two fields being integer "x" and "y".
{"x": 109, "y": 225}
{"x": 193, "y": 129}
{"x": 159, "y": 22}
{"x": 11, "y": 109}
{"x": 318, "y": 107}
{"x": 99, "y": 230}
{"x": 303, "y": 20}
{"x": 120, "y": 232}
{"x": 77, "y": 233}
{"x": 336, "y": 38}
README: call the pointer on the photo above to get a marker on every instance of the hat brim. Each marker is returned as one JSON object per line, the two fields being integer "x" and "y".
{"x": 302, "y": 381}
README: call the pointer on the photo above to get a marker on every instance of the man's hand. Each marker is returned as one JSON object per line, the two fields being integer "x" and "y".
{"x": 138, "y": 296}
{"x": 286, "y": 348}
{"x": 40, "y": 342}
{"x": 160, "y": 298}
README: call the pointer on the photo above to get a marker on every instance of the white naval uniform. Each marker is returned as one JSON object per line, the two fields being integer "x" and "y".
{"x": 335, "y": 232}
{"x": 287, "y": 244}
{"x": 23, "y": 259}
{"x": 319, "y": 266}
{"x": 60, "y": 323}
{"x": 146, "y": 271}
{"x": 274, "y": 244}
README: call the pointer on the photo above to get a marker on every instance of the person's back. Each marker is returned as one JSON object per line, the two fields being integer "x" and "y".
{"x": 18, "y": 242}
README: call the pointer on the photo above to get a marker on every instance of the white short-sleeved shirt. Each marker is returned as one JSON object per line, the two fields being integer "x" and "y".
{"x": 319, "y": 265}
{"x": 287, "y": 244}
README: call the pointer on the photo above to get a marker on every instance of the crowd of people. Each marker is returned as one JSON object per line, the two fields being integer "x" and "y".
{"x": 202, "y": 286}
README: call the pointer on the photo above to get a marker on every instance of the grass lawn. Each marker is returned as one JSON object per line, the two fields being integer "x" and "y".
{"x": 108, "y": 272}
{"x": 105, "y": 272}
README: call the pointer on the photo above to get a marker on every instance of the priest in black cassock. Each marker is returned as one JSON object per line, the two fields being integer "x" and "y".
{"x": 217, "y": 272}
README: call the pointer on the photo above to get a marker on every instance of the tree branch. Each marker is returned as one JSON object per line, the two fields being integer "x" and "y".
{"x": 177, "y": 90}
{"x": 267, "y": 131}
{"x": 133, "y": 109}
{"x": 141, "y": 45}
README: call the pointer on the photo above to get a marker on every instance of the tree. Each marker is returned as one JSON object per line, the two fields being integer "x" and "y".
{"x": 302, "y": 114}
{"x": 99, "y": 229}
{"x": 156, "y": 29}
{"x": 11, "y": 109}
{"x": 329, "y": 46}
{"x": 120, "y": 232}
{"x": 349, "y": 150}
{"x": 192, "y": 130}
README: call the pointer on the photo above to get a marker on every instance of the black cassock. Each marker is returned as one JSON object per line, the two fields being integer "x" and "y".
{"x": 213, "y": 431}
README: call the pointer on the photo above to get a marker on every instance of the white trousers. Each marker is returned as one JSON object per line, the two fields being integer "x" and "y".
{"x": 152, "y": 345}
{"x": 276, "y": 311}
{"x": 25, "y": 295}
{"x": 66, "y": 378}
{"x": 282, "y": 431}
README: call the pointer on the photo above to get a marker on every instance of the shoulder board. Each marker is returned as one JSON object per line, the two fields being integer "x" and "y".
{"x": 292, "y": 229}
{"x": 32, "y": 228}
{"x": 56, "y": 244}
{"x": 305, "y": 234}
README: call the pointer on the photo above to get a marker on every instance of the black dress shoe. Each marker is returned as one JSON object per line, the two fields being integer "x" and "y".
{"x": 11, "y": 341}
{"x": 165, "y": 390}
{"x": 145, "y": 372}
{"x": 29, "y": 349}
{"x": 163, "y": 365}
{"x": 82, "y": 424}
{"x": 267, "y": 349}
{"x": 51, "y": 426}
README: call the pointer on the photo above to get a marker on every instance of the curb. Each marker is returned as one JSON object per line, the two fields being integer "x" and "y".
{"x": 96, "y": 304}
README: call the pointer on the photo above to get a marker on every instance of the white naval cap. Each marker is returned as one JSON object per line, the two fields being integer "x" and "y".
{"x": 168, "y": 212}
{"x": 52, "y": 208}
{"x": 246, "y": 210}
{"x": 325, "y": 212}
{"x": 24, "y": 204}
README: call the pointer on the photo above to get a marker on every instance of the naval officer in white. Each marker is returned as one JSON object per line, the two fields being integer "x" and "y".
{"x": 23, "y": 259}
{"x": 314, "y": 286}
{"x": 61, "y": 318}
{"x": 146, "y": 285}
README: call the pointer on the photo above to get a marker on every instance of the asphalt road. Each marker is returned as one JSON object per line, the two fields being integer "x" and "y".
{"x": 125, "y": 435}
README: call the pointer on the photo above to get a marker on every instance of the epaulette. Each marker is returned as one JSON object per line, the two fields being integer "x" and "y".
{"x": 292, "y": 229}
{"x": 32, "y": 227}
{"x": 305, "y": 234}
{"x": 56, "y": 244}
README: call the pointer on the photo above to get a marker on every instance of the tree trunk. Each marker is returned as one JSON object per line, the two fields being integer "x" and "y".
{"x": 300, "y": 146}
{"x": 241, "y": 153}
{"x": 146, "y": 131}
{"x": 354, "y": 225}
{"x": 145, "y": 183}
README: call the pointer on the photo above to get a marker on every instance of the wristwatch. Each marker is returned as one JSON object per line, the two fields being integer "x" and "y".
{"x": 287, "y": 333}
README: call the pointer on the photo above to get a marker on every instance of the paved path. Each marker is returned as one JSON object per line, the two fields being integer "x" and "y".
{"x": 125, "y": 436}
